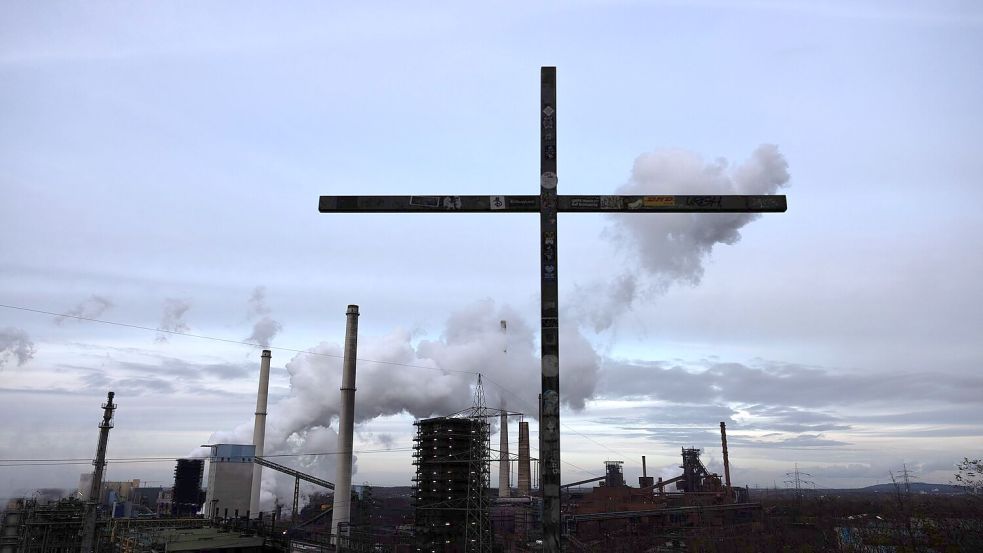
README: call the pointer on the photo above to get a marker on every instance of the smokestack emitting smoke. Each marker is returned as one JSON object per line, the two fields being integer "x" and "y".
{"x": 471, "y": 339}
{"x": 503, "y": 463}
{"x": 259, "y": 428}
{"x": 523, "y": 480}
{"x": 723, "y": 443}
{"x": 346, "y": 427}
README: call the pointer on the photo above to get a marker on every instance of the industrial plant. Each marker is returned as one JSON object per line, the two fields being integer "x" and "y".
{"x": 449, "y": 508}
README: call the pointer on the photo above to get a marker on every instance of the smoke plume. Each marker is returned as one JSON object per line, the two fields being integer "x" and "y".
{"x": 265, "y": 328}
{"x": 90, "y": 308}
{"x": 15, "y": 345}
{"x": 426, "y": 378}
{"x": 672, "y": 248}
{"x": 172, "y": 318}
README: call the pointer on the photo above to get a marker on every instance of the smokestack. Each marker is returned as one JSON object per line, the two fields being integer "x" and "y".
{"x": 523, "y": 480}
{"x": 503, "y": 463}
{"x": 346, "y": 427}
{"x": 259, "y": 428}
{"x": 645, "y": 481}
{"x": 723, "y": 442}
{"x": 95, "y": 489}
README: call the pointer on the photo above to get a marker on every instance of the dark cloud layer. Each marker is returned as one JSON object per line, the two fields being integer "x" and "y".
{"x": 780, "y": 384}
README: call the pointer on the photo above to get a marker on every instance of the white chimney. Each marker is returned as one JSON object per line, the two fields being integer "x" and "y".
{"x": 346, "y": 427}
{"x": 259, "y": 429}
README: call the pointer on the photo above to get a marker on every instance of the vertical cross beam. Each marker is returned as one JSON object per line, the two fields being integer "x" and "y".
{"x": 549, "y": 423}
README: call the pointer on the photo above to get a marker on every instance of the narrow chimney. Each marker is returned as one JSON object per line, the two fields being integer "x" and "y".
{"x": 723, "y": 442}
{"x": 259, "y": 427}
{"x": 503, "y": 463}
{"x": 523, "y": 479}
{"x": 346, "y": 427}
{"x": 643, "y": 466}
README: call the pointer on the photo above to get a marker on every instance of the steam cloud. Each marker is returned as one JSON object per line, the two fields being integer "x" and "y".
{"x": 265, "y": 328}
{"x": 472, "y": 341}
{"x": 91, "y": 308}
{"x": 15, "y": 344}
{"x": 172, "y": 318}
{"x": 673, "y": 247}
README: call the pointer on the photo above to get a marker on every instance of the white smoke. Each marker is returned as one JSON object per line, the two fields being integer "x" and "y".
{"x": 428, "y": 378}
{"x": 265, "y": 328}
{"x": 89, "y": 308}
{"x": 172, "y": 318}
{"x": 670, "y": 248}
{"x": 15, "y": 345}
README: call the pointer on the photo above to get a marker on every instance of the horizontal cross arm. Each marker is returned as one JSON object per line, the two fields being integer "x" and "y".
{"x": 673, "y": 204}
{"x": 392, "y": 204}
{"x": 565, "y": 203}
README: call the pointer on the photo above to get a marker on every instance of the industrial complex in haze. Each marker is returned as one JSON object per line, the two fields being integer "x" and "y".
{"x": 450, "y": 507}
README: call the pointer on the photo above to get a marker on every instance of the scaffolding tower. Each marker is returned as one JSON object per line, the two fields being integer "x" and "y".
{"x": 452, "y": 458}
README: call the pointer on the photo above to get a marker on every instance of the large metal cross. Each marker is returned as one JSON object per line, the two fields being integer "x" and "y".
{"x": 548, "y": 204}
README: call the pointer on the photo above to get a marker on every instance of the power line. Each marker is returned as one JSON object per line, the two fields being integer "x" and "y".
{"x": 227, "y": 340}
{"x": 304, "y": 352}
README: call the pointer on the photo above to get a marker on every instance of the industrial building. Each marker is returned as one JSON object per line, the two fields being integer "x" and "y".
{"x": 230, "y": 480}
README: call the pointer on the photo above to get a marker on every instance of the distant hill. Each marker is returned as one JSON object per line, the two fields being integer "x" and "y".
{"x": 917, "y": 487}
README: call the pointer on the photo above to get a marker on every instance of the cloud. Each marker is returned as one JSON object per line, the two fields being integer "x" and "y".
{"x": 265, "y": 328}
{"x": 802, "y": 441}
{"x": 784, "y": 384}
{"x": 90, "y": 308}
{"x": 131, "y": 387}
{"x": 15, "y": 345}
{"x": 668, "y": 248}
{"x": 172, "y": 318}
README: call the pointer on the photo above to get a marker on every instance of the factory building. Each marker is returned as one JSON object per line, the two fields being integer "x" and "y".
{"x": 230, "y": 479}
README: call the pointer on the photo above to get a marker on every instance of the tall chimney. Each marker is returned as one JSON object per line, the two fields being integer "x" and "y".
{"x": 503, "y": 463}
{"x": 95, "y": 489}
{"x": 259, "y": 428}
{"x": 723, "y": 442}
{"x": 346, "y": 427}
{"x": 645, "y": 481}
{"x": 523, "y": 479}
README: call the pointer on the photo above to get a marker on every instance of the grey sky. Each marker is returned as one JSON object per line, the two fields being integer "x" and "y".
{"x": 160, "y": 166}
